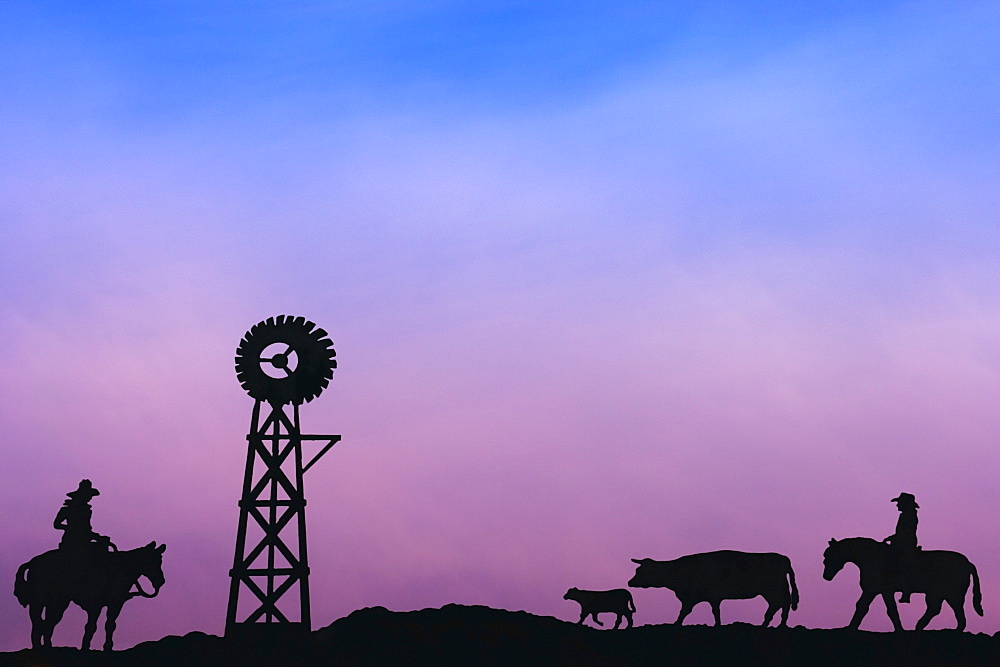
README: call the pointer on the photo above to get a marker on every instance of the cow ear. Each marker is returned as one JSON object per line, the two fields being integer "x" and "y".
{"x": 832, "y": 541}
{"x": 161, "y": 548}
{"x": 637, "y": 561}
{"x": 151, "y": 545}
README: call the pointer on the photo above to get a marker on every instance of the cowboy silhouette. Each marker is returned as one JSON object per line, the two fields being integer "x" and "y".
{"x": 73, "y": 519}
{"x": 903, "y": 543}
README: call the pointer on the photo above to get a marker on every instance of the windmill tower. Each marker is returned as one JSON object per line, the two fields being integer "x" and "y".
{"x": 281, "y": 363}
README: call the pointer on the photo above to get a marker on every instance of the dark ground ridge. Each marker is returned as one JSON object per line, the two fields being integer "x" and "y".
{"x": 477, "y": 635}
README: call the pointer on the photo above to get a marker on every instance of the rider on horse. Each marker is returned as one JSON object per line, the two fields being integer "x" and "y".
{"x": 74, "y": 520}
{"x": 903, "y": 543}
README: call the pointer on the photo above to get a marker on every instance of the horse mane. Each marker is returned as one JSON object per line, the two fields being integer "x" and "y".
{"x": 860, "y": 540}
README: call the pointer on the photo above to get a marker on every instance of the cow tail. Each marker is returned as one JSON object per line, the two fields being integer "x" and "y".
{"x": 21, "y": 591}
{"x": 631, "y": 604}
{"x": 795, "y": 590}
{"x": 977, "y": 595}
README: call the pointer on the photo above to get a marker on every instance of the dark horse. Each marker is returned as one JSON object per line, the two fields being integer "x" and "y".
{"x": 940, "y": 575}
{"x": 46, "y": 584}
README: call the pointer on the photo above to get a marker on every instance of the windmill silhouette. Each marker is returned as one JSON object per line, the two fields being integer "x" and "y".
{"x": 281, "y": 363}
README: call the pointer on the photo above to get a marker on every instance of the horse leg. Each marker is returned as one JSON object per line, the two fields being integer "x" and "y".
{"x": 37, "y": 625}
{"x": 90, "y": 627}
{"x": 861, "y": 608}
{"x": 110, "y": 623}
{"x": 957, "y": 605}
{"x": 933, "y": 607}
{"x": 53, "y": 614}
{"x": 716, "y": 611}
{"x": 892, "y": 610}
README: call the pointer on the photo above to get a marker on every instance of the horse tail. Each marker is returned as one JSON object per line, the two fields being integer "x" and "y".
{"x": 795, "y": 591}
{"x": 21, "y": 591}
{"x": 977, "y": 595}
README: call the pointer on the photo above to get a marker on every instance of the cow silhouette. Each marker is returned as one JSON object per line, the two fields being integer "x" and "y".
{"x": 940, "y": 575}
{"x": 592, "y": 603}
{"x": 723, "y": 575}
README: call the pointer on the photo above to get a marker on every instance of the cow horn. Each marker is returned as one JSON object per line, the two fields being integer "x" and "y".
{"x": 832, "y": 541}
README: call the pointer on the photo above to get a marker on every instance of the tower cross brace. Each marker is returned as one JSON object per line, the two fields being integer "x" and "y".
{"x": 271, "y": 561}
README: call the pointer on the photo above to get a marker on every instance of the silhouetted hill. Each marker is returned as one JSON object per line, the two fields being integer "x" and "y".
{"x": 458, "y": 634}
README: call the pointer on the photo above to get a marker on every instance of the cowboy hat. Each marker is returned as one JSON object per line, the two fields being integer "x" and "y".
{"x": 906, "y": 499}
{"x": 85, "y": 490}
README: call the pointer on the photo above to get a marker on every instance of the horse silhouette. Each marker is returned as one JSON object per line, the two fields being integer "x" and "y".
{"x": 943, "y": 576}
{"x": 47, "y": 583}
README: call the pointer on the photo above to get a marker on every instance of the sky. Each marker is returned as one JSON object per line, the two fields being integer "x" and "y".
{"x": 604, "y": 283}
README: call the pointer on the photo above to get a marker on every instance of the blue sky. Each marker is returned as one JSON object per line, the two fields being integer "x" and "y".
{"x": 739, "y": 258}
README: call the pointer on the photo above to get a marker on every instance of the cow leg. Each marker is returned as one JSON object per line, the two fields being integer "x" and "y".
{"x": 957, "y": 605}
{"x": 686, "y": 607}
{"x": 891, "y": 609}
{"x": 110, "y": 623}
{"x": 628, "y": 620}
{"x": 861, "y": 608}
{"x": 933, "y": 608}
{"x": 90, "y": 627}
{"x": 583, "y": 615}
{"x": 772, "y": 607}
{"x": 784, "y": 613}
{"x": 595, "y": 615}
{"x": 618, "y": 621}
{"x": 716, "y": 611}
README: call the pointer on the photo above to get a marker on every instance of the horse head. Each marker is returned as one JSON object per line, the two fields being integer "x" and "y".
{"x": 150, "y": 565}
{"x": 834, "y": 559}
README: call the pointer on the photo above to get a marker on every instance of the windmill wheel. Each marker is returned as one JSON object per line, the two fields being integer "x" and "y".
{"x": 285, "y": 359}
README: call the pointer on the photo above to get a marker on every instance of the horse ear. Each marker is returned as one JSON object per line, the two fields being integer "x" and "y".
{"x": 161, "y": 548}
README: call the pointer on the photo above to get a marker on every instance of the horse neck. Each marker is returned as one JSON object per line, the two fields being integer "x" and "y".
{"x": 127, "y": 562}
{"x": 861, "y": 548}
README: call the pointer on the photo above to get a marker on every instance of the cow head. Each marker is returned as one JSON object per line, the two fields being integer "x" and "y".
{"x": 643, "y": 576}
{"x": 572, "y": 594}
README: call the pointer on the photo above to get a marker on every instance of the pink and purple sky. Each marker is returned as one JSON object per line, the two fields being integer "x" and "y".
{"x": 604, "y": 283}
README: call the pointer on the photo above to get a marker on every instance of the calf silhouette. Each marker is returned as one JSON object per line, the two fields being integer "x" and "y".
{"x": 723, "y": 575}
{"x": 592, "y": 603}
